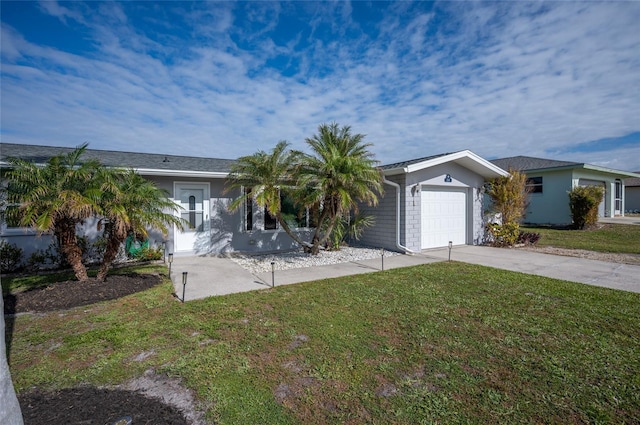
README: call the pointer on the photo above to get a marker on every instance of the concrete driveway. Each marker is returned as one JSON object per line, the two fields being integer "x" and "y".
{"x": 620, "y": 220}
{"x": 591, "y": 272}
{"x": 210, "y": 276}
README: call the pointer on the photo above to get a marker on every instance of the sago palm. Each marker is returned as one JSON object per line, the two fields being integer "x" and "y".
{"x": 56, "y": 198}
{"x": 131, "y": 204}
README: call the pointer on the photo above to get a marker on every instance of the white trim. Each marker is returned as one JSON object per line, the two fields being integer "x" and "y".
{"x": 181, "y": 173}
{"x": 465, "y": 158}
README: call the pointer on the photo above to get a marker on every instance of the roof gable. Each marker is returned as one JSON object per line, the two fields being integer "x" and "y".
{"x": 464, "y": 158}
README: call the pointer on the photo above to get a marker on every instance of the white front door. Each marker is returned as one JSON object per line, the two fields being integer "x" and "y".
{"x": 443, "y": 217}
{"x": 194, "y": 200}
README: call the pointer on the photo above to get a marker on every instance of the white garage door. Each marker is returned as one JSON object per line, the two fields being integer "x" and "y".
{"x": 444, "y": 217}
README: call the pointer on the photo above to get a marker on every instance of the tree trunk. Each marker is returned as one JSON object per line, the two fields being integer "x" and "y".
{"x": 110, "y": 254}
{"x": 70, "y": 248}
{"x": 10, "y": 412}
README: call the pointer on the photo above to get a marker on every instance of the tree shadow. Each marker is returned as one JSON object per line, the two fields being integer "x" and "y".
{"x": 9, "y": 311}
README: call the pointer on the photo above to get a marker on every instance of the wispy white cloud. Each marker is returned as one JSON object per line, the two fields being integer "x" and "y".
{"x": 225, "y": 79}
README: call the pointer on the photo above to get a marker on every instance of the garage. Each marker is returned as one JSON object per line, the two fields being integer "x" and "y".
{"x": 443, "y": 217}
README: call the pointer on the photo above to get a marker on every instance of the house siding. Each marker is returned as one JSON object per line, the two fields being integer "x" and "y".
{"x": 383, "y": 233}
{"x": 552, "y": 205}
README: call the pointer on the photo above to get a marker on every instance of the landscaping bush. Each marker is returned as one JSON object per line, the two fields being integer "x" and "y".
{"x": 504, "y": 234}
{"x": 148, "y": 254}
{"x": 509, "y": 199}
{"x": 10, "y": 257}
{"x": 584, "y": 202}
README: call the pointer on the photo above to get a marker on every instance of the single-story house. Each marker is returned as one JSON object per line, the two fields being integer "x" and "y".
{"x": 428, "y": 202}
{"x": 632, "y": 194}
{"x": 550, "y": 181}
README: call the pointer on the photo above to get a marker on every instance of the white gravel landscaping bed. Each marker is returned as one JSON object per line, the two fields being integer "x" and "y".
{"x": 298, "y": 259}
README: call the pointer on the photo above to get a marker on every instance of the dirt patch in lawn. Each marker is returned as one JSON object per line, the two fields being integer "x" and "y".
{"x": 150, "y": 399}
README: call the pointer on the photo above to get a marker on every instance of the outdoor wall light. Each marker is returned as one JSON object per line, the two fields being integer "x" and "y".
{"x": 184, "y": 284}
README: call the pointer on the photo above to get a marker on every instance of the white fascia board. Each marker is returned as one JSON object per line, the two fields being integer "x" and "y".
{"x": 618, "y": 173}
{"x": 182, "y": 173}
{"x": 484, "y": 167}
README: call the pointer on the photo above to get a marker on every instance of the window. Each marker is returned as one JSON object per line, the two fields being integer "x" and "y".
{"x": 248, "y": 210}
{"x": 534, "y": 184}
{"x": 294, "y": 216}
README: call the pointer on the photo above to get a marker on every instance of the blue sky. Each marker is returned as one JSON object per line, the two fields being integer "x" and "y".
{"x": 224, "y": 79}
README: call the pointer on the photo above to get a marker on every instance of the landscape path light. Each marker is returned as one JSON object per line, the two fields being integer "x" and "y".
{"x": 184, "y": 284}
{"x": 170, "y": 262}
{"x": 273, "y": 274}
{"x": 450, "y": 246}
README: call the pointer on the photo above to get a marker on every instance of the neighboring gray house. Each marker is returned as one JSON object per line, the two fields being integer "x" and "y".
{"x": 428, "y": 202}
{"x": 551, "y": 180}
{"x": 632, "y": 194}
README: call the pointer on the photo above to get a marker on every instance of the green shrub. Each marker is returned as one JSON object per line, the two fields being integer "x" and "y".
{"x": 10, "y": 257}
{"x": 584, "y": 202}
{"x": 148, "y": 254}
{"x": 504, "y": 234}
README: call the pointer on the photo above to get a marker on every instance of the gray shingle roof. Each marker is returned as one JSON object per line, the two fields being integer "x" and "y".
{"x": 524, "y": 163}
{"x": 40, "y": 154}
{"x": 412, "y": 161}
{"x": 632, "y": 181}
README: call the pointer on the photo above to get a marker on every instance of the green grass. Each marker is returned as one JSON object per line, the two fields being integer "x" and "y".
{"x": 617, "y": 238}
{"x": 441, "y": 343}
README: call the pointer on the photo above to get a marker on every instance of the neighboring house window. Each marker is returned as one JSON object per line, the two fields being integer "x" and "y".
{"x": 534, "y": 184}
{"x": 248, "y": 210}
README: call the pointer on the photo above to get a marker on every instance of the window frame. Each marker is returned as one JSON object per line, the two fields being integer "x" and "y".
{"x": 535, "y": 184}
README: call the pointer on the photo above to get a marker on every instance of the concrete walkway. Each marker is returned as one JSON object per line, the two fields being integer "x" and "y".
{"x": 620, "y": 220}
{"x": 209, "y": 276}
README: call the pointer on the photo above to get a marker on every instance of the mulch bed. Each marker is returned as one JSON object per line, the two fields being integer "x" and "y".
{"x": 90, "y": 405}
{"x": 72, "y": 293}
{"x": 86, "y": 405}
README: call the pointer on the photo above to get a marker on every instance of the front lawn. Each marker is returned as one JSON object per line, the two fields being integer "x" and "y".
{"x": 441, "y": 343}
{"x": 617, "y": 238}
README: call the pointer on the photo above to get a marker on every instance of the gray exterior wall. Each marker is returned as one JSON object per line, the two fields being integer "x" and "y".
{"x": 226, "y": 231}
{"x": 632, "y": 198}
{"x": 383, "y": 234}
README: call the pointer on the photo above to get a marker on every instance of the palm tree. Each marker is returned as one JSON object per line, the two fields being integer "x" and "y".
{"x": 130, "y": 204}
{"x": 336, "y": 177}
{"x": 56, "y": 198}
{"x": 265, "y": 178}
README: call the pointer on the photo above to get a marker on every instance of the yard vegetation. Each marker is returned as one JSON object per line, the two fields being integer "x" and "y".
{"x": 616, "y": 238}
{"x": 441, "y": 343}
